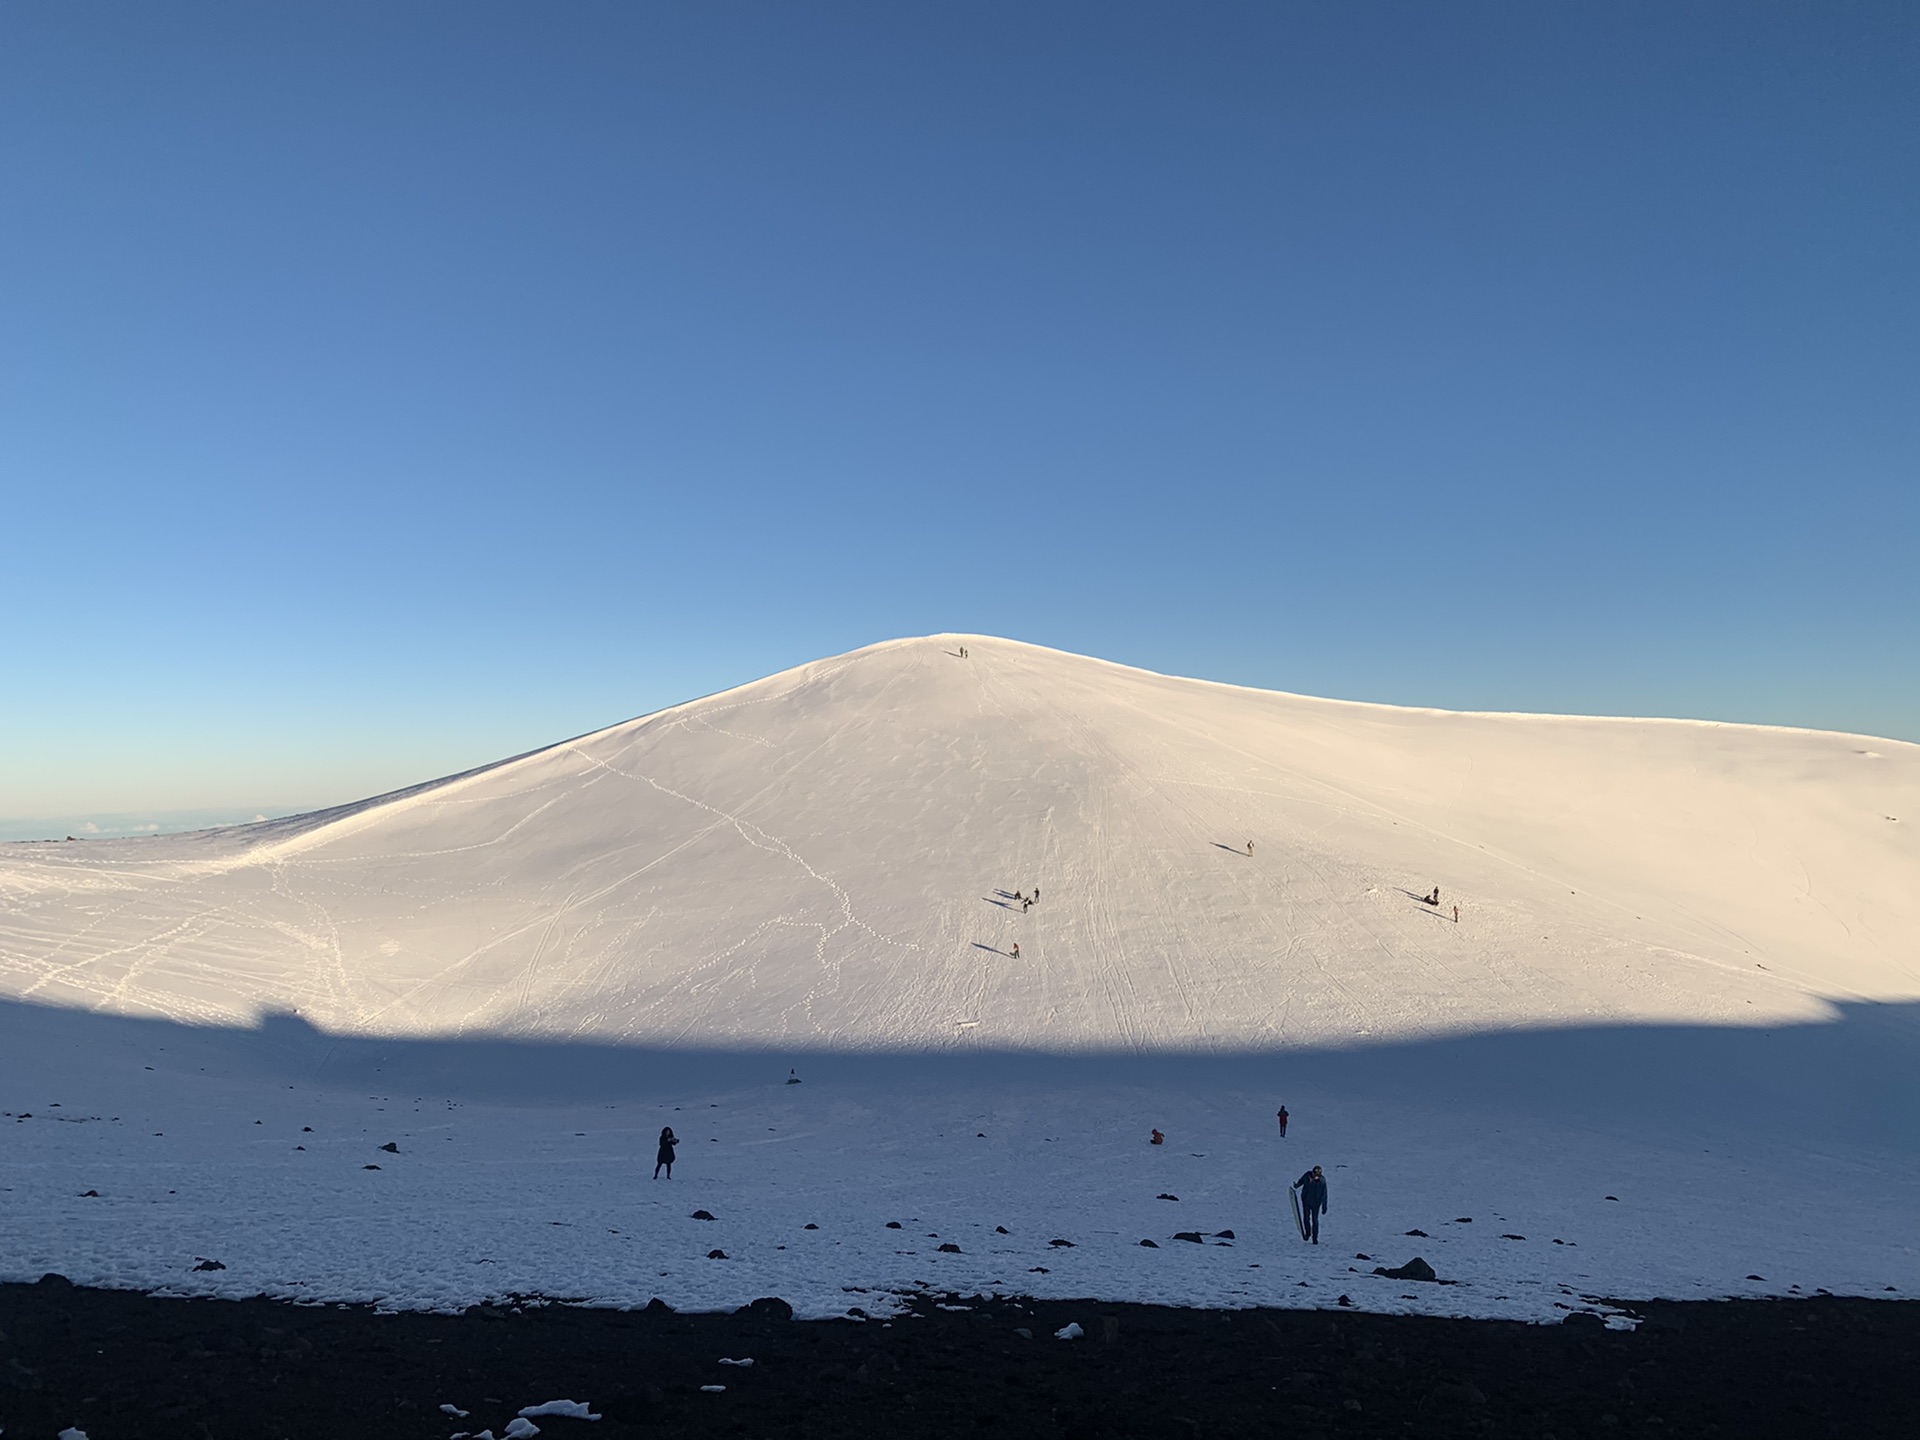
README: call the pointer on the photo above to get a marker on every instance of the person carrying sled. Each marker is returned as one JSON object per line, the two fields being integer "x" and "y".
{"x": 1313, "y": 1201}
{"x": 665, "y": 1158}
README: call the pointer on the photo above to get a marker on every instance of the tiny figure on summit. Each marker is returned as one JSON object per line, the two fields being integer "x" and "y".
{"x": 1283, "y": 1117}
{"x": 665, "y": 1158}
{"x": 1313, "y": 1202}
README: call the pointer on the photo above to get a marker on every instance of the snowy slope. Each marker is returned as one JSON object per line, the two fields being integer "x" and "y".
{"x": 1671, "y": 1047}
{"x": 818, "y": 858}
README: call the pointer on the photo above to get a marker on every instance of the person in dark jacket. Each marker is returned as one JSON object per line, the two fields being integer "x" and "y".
{"x": 1283, "y": 1118}
{"x": 1313, "y": 1200}
{"x": 665, "y": 1158}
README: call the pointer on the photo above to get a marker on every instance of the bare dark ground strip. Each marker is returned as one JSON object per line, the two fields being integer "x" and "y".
{"x": 121, "y": 1365}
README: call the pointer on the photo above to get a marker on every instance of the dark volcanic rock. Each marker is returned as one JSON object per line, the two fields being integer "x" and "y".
{"x": 1414, "y": 1269}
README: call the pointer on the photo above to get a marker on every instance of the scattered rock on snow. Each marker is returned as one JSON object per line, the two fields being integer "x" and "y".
{"x": 1513, "y": 1237}
{"x": 1166, "y": 1197}
{"x": 1463, "y": 1219}
{"x": 701, "y": 1215}
{"x": 391, "y": 1148}
{"x": 1061, "y": 1244}
{"x": 1225, "y": 1235}
{"x": 949, "y": 1248}
{"x": 1001, "y": 1230}
{"x": 1190, "y": 1235}
{"x": 1151, "y": 1244}
{"x": 369, "y": 1167}
{"x": 206, "y": 1264}
{"x": 809, "y": 1226}
{"x": 1414, "y": 1269}
{"x": 716, "y": 1254}
{"x": 893, "y": 1224}
{"x": 1421, "y": 1234}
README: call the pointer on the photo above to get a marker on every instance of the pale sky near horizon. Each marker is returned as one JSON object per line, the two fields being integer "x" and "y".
{"x": 385, "y": 390}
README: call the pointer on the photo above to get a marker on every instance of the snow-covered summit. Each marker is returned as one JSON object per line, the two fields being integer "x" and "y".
{"x": 828, "y": 857}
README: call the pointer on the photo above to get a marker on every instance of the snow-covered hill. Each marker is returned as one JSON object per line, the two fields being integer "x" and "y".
{"x": 827, "y": 858}
{"x": 1669, "y": 1048}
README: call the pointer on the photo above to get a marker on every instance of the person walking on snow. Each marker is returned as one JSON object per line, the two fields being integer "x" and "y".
{"x": 1016, "y": 949}
{"x": 1283, "y": 1122}
{"x": 665, "y": 1158}
{"x": 1026, "y": 905}
{"x": 1456, "y": 914}
{"x": 1313, "y": 1201}
{"x": 1249, "y": 847}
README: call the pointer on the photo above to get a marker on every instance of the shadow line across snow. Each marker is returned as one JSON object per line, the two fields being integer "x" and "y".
{"x": 1852, "y": 1080}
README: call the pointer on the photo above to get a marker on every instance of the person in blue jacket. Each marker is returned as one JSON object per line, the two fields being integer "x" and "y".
{"x": 1313, "y": 1200}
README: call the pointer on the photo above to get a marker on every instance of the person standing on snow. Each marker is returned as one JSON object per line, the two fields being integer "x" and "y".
{"x": 1313, "y": 1201}
{"x": 665, "y": 1158}
{"x": 1283, "y": 1122}
{"x": 1016, "y": 949}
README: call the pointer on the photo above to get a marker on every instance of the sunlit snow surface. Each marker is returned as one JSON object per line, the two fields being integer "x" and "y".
{"x": 1685, "y": 976}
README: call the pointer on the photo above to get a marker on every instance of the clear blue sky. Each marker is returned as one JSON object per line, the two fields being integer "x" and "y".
{"x": 387, "y": 388}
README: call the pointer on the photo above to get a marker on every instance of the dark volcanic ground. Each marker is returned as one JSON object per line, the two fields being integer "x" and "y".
{"x": 119, "y": 1365}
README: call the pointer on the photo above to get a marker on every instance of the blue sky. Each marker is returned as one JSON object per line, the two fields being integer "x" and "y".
{"x": 386, "y": 389}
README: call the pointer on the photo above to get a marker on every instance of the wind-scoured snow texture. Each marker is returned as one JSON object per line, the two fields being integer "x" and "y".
{"x": 827, "y": 858}
{"x": 1674, "y": 1029}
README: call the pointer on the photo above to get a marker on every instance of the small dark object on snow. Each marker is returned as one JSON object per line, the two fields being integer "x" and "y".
{"x": 716, "y": 1254}
{"x": 1414, "y": 1269}
{"x": 1038, "y": 1270}
{"x": 299, "y": 1147}
{"x": 893, "y": 1224}
{"x": 1421, "y": 1233}
{"x": 701, "y": 1215}
{"x": 1614, "y": 1198}
{"x": 1761, "y": 1278}
{"x": 89, "y": 1194}
{"x": 1363, "y": 1257}
{"x": 53, "y": 1280}
{"x": 1192, "y": 1235}
{"x": 306, "y": 1129}
{"x": 949, "y": 1248}
{"x": 810, "y": 1226}
{"x": 657, "y": 1306}
{"x": 391, "y": 1148}
{"x": 793, "y": 1077}
{"x": 1001, "y": 1230}
{"x": 767, "y": 1307}
{"x": 1225, "y": 1235}
{"x": 369, "y": 1167}
{"x": 1583, "y": 1317}
{"x": 980, "y": 1135}
{"x": 1513, "y": 1237}
{"x": 1344, "y": 1300}
{"x": 1166, "y": 1197}
{"x": 1151, "y": 1244}
{"x": 206, "y": 1264}
{"x": 1463, "y": 1219}
{"x": 1061, "y": 1244}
